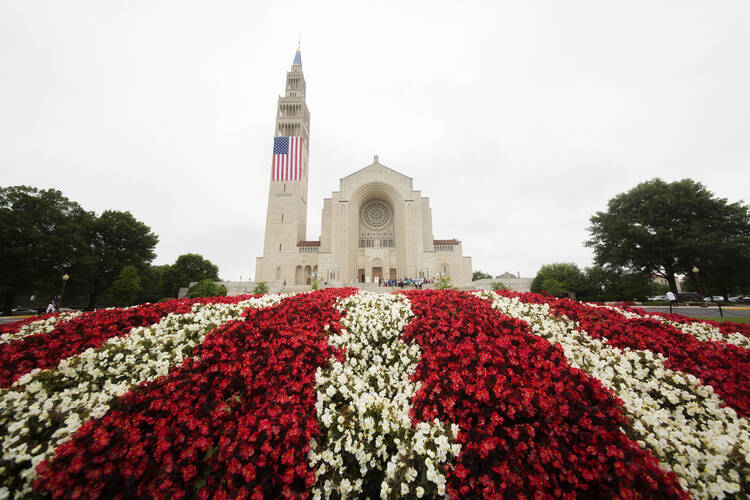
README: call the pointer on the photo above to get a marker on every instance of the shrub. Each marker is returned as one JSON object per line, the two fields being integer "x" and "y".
{"x": 207, "y": 288}
{"x": 498, "y": 285}
{"x": 443, "y": 283}
{"x": 261, "y": 288}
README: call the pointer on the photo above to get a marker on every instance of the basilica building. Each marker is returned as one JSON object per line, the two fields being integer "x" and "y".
{"x": 375, "y": 227}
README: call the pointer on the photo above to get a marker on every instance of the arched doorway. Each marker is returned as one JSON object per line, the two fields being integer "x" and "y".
{"x": 377, "y": 270}
{"x": 376, "y": 223}
{"x": 298, "y": 276}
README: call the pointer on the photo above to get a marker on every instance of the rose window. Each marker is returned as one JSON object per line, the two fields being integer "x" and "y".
{"x": 376, "y": 214}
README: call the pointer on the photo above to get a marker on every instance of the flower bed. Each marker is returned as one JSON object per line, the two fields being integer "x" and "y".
{"x": 45, "y": 349}
{"x": 342, "y": 394}
{"x": 34, "y": 325}
{"x": 723, "y": 366}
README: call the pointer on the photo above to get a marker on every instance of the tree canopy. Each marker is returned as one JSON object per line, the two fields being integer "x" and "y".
{"x": 207, "y": 288}
{"x": 480, "y": 275}
{"x": 559, "y": 279}
{"x": 666, "y": 229}
{"x": 126, "y": 287}
{"x": 613, "y": 284}
{"x": 118, "y": 240}
{"x": 187, "y": 268}
{"x": 45, "y": 235}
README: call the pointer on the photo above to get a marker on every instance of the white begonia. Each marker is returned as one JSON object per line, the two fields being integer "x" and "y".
{"x": 374, "y": 390}
{"x": 82, "y": 387}
{"x": 683, "y": 422}
{"x": 37, "y": 327}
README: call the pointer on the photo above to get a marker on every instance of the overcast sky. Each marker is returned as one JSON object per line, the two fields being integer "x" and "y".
{"x": 518, "y": 120}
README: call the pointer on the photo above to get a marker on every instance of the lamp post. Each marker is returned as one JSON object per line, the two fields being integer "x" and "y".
{"x": 65, "y": 279}
{"x": 698, "y": 281}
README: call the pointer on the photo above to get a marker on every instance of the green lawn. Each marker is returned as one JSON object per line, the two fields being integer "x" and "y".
{"x": 734, "y": 319}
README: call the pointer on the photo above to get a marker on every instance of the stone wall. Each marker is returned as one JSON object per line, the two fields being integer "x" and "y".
{"x": 515, "y": 284}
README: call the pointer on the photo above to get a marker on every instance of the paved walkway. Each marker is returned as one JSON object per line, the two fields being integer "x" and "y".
{"x": 4, "y": 320}
{"x": 710, "y": 311}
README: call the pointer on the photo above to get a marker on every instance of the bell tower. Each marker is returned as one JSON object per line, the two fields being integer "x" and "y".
{"x": 286, "y": 216}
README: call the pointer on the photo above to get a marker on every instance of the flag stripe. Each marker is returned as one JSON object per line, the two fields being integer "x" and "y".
{"x": 293, "y": 155}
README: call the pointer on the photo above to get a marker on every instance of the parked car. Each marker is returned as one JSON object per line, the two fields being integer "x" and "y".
{"x": 24, "y": 311}
{"x": 740, "y": 298}
{"x": 689, "y": 296}
{"x": 658, "y": 297}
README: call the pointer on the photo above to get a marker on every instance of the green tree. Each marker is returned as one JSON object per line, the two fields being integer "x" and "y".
{"x": 118, "y": 240}
{"x": 613, "y": 284}
{"x": 480, "y": 275}
{"x": 188, "y": 268}
{"x": 559, "y": 279}
{"x": 42, "y": 237}
{"x": 667, "y": 228}
{"x": 207, "y": 288}
{"x": 151, "y": 279}
{"x": 261, "y": 288}
{"x": 126, "y": 287}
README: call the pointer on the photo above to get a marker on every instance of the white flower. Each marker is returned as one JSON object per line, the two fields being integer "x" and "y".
{"x": 374, "y": 382}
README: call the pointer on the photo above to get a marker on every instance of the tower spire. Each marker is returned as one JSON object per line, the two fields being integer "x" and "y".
{"x": 297, "y": 55}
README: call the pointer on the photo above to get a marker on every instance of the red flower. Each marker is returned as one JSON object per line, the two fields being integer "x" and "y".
{"x": 530, "y": 424}
{"x": 235, "y": 409}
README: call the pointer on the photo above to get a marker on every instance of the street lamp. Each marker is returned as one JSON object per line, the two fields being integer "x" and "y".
{"x": 65, "y": 279}
{"x": 698, "y": 281}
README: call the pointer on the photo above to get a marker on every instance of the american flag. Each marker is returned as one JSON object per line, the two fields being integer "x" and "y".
{"x": 287, "y": 159}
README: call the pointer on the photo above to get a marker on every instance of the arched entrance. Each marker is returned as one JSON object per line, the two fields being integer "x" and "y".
{"x": 377, "y": 270}
{"x": 376, "y": 233}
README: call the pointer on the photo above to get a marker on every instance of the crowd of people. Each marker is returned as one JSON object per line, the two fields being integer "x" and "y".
{"x": 401, "y": 283}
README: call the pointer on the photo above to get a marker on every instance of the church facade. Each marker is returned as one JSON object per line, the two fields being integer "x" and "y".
{"x": 375, "y": 227}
